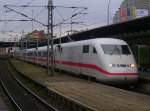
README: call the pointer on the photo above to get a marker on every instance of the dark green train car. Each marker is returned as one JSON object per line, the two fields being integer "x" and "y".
{"x": 142, "y": 56}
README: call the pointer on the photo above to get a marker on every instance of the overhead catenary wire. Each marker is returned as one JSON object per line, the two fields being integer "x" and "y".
{"x": 82, "y": 10}
{"x": 23, "y": 8}
{"x": 59, "y": 13}
{"x": 73, "y": 7}
{"x": 7, "y": 20}
{"x": 73, "y": 15}
{"x": 1, "y": 13}
{"x": 14, "y": 16}
{"x": 30, "y": 18}
{"x": 37, "y": 15}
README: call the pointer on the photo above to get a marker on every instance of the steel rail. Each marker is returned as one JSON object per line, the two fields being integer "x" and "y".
{"x": 12, "y": 98}
{"x": 31, "y": 92}
{"x": 67, "y": 102}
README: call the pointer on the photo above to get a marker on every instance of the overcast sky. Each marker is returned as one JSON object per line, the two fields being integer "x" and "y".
{"x": 97, "y": 14}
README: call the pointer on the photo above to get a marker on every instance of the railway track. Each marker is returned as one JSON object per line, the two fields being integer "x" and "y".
{"x": 22, "y": 98}
{"x": 62, "y": 102}
{"x": 62, "y": 99}
{"x": 59, "y": 101}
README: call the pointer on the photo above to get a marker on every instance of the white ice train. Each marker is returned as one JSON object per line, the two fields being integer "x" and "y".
{"x": 106, "y": 59}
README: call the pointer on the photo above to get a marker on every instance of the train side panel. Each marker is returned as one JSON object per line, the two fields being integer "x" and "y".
{"x": 88, "y": 58}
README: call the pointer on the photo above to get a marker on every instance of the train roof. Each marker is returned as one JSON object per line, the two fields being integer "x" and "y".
{"x": 109, "y": 41}
{"x": 87, "y": 42}
{"x": 97, "y": 41}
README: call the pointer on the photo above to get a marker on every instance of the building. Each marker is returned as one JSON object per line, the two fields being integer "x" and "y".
{"x": 9, "y": 36}
{"x": 132, "y": 9}
{"x": 35, "y": 35}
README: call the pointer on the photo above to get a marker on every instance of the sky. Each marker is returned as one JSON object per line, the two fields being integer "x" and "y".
{"x": 95, "y": 16}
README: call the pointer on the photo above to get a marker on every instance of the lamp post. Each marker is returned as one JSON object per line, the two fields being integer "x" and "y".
{"x": 108, "y": 12}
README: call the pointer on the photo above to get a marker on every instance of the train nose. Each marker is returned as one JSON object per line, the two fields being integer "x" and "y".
{"x": 122, "y": 68}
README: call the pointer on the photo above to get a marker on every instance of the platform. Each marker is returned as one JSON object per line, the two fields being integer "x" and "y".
{"x": 98, "y": 96}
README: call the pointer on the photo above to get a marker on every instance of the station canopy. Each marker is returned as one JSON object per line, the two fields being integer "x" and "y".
{"x": 136, "y": 31}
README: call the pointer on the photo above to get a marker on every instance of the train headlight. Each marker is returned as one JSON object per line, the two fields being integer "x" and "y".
{"x": 132, "y": 65}
{"x": 110, "y": 65}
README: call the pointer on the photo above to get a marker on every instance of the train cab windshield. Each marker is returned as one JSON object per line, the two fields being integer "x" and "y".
{"x": 116, "y": 49}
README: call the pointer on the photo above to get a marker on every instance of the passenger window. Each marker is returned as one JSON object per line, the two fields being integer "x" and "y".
{"x": 94, "y": 50}
{"x": 85, "y": 49}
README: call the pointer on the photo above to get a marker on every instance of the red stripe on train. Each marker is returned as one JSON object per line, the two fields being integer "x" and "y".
{"x": 91, "y": 66}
